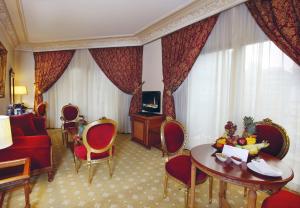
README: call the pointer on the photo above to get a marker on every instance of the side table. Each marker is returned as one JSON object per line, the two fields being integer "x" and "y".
{"x": 11, "y": 177}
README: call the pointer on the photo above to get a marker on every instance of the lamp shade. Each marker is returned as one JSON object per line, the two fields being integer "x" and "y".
{"x": 20, "y": 90}
{"x": 5, "y": 132}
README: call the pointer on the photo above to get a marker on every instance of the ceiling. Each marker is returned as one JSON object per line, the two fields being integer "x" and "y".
{"x": 44, "y": 23}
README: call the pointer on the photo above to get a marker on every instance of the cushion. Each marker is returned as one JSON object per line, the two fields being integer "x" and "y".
{"x": 24, "y": 122}
{"x": 41, "y": 110}
{"x": 174, "y": 137}
{"x": 80, "y": 152}
{"x": 282, "y": 199}
{"x": 16, "y": 131}
{"x": 273, "y": 136}
{"x": 70, "y": 113}
{"x": 40, "y": 125}
{"x": 180, "y": 168}
{"x": 99, "y": 136}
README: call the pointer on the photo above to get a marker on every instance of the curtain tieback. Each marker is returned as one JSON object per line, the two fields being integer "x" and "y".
{"x": 138, "y": 88}
{"x": 168, "y": 92}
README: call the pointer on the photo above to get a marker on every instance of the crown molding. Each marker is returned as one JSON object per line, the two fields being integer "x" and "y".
{"x": 6, "y": 23}
{"x": 192, "y": 13}
{"x": 196, "y": 11}
{"x": 80, "y": 44}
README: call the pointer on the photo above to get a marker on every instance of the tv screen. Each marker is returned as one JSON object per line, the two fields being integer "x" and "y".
{"x": 151, "y": 101}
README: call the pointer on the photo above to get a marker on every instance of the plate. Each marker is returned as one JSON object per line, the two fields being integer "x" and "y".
{"x": 252, "y": 167}
{"x": 221, "y": 157}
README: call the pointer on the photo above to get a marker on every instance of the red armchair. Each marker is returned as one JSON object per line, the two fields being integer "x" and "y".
{"x": 275, "y": 135}
{"x": 30, "y": 139}
{"x": 178, "y": 165}
{"x": 98, "y": 139}
{"x": 282, "y": 199}
{"x": 69, "y": 118}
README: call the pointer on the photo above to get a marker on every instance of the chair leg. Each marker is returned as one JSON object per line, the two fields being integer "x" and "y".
{"x": 90, "y": 172}
{"x": 210, "y": 181}
{"x": 166, "y": 185}
{"x": 27, "y": 192}
{"x": 245, "y": 191}
{"x": 63, "y": 137}
{"x": 109, "y": 163}
{"x": 2, "y": 195}
{"x": 186, "y": 198}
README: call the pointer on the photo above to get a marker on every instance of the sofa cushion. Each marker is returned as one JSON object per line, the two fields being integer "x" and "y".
{"x": 25, "y": 122}
{"x": 37, "y": 148}
{"x": 16, "y": 131}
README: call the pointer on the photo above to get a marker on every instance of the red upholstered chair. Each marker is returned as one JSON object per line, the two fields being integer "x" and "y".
{"x": 69, "y": 118}
{"x": 275, "y": 135}
{"x": 98, "y": 138}
{"x": 178, "y": 164}
{"x": 282, "y": 199}
{"x": 41, "y": 109}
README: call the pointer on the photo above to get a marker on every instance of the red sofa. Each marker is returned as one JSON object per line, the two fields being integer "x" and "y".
{"x": 30, "y": 139}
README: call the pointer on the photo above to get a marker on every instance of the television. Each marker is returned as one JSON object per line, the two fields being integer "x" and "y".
{"x": 151, "y": 101}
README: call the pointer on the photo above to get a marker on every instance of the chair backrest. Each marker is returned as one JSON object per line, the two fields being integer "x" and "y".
{"x": 70, "y": 112}
{"x": 173, "y": 136}
{"x": 99, "y": 135}
{"x": 275, "y": 135}
{"x": 41, "y": 109}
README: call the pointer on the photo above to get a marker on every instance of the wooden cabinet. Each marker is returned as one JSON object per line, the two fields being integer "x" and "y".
{"x": 141, "y": 125}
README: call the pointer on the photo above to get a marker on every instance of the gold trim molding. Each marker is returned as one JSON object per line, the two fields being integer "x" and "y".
{"x": 196, "y": 11}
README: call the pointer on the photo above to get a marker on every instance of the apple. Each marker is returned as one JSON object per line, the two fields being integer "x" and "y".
{"x": 242, "y": 141}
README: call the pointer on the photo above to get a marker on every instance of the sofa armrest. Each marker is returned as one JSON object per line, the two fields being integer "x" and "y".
{"x": 40, "y": 123}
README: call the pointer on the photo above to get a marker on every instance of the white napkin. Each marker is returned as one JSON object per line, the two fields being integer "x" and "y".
{"x": 265, "y": 168}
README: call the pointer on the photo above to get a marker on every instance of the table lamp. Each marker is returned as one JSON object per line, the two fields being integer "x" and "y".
{"x": 5, "y": 135}
{"x": 20, "y": 90}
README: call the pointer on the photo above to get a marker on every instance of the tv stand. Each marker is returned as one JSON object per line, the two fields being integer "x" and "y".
{"x": 147, "y": 114}
{"x": 142, "y": 125}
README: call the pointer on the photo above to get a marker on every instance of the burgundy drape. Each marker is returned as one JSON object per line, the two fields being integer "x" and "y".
{"x": 49, "y": 66}
{"x": 280, "y": 20}
{"x": 179, "y": 52}
{"x": 123, "y": 66}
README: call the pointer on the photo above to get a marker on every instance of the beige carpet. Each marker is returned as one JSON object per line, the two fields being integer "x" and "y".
{"x": 136, "y": 182}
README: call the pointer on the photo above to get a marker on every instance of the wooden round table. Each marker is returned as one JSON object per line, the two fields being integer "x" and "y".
{"x": 203, "y": 158}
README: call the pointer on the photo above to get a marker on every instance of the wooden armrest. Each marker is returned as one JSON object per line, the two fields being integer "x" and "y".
{"x": 15, "y": 163}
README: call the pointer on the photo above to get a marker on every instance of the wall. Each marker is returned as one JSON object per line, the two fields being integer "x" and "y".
{"x": 152, "y": 67}
{"x": 24, "y": 70}
{"x": 4, "y": 102}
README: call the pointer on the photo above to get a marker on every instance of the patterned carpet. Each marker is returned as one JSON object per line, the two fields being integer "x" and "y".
{"x": 137, "y": 182}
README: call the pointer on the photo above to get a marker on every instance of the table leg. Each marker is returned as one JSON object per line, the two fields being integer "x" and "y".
{"x": 251, "y": 198}
{"x": 2, "y": 195}
{"x": 193, "y": 184}
{"x": 221, "y": 193}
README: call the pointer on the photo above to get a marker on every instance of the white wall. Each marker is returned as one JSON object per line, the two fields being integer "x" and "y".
{"x": 24, "y": 70}
{"x": 10, "y": 58}
{"x": 152, "y": 67}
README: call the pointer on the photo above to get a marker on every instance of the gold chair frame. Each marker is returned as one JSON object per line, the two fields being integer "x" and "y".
{"x": 90, "y": 150}
{"x": 42, "y": 103}
{"x": 286, "y": 144}
{"x": 180, "y": 151}
{"x": 286, "y": 140}
{"x": 64, "y": 132}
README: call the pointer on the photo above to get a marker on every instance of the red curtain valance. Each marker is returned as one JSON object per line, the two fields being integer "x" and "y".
{"x": 123, "y": 66}
{"x": 179, "y": 52}
{"x": 49, "y": 66}
{"x": 280, "y": 20}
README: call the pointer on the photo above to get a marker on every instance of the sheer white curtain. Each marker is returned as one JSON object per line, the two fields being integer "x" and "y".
{"x": 241, "y": 73}
{"x": 85, "y": 85}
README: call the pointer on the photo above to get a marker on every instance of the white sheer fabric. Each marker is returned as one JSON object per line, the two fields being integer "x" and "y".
{"x": 85, "y": 85}
{"x": 241, "y": 73}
